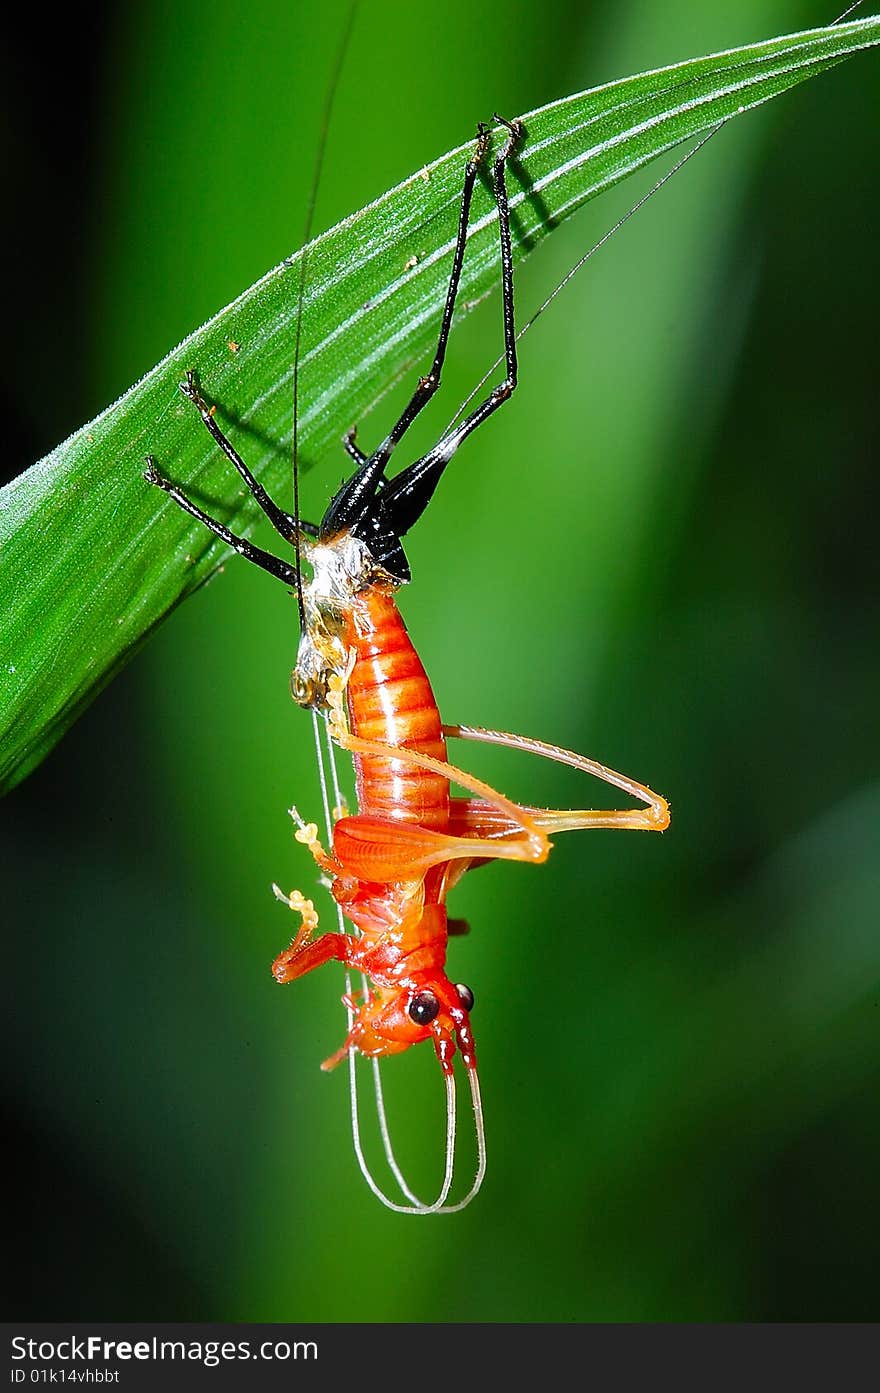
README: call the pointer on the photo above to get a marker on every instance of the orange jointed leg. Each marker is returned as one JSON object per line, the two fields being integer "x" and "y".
{"x": 302, "y": 956}
{"x": 304, "y": 952}
{"x": 384, "y": 850}
{"x": 401, "y": 850}
{"x": 307, "y": 834}
{"x": 529, "y": 845}
{"x": 655, "y": 818}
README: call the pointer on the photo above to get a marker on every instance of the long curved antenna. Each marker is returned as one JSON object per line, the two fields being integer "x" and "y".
{"x": 387, "y": 1144}
{"x": 606, "y": 236}
{"x": 303, "y": 263}
{"x": 438, "y": 1206}
{"x": 416, "y": 1205}
{"x": 848, "y": 11}
{"x": 480, "y": 1132}
{"x": 625, "y": 217}
{"x": 381, "y": 1114}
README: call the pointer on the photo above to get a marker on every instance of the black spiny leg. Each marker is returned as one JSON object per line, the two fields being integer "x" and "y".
{"x": 428, "y": 385}
{"x": 407, "y": 496}
{"x": 273, "y": 564}
{"x": 349, "y": 504}
{"x": 283, "y": 522}
{"x": 352, "y": 448}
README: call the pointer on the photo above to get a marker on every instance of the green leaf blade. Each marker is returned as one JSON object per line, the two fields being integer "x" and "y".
{"x": 92, "y": 558}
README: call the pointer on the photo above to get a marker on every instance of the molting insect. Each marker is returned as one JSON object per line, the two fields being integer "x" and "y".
{"x": 392, "y": 864}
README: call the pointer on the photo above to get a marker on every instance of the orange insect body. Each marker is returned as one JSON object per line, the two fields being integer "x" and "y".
{"x": 390, "y": 866}
{"x": 390, "y": 700}
{"x": 393, "y": 863}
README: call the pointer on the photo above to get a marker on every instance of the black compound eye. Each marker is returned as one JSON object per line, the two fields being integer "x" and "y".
{"x": 465, "y": 996}
{"x": 423, "y": 1008}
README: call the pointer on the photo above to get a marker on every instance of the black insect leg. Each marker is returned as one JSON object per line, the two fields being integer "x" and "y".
{"x": 273, "y": 564}
{"x": 349, "y": 440}
{"x": 283, "y": 522}
{"x": 349, "y": 503}
{"x": 407, "y": 496}
{"x": 428, "y": 385}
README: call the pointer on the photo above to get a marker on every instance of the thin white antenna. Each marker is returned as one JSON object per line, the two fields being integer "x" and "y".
{"x": 418, "y": 1208}
{"x": 387, "y": 1144}
{"x": 416, "y": 1205}
{"x": 480, "y": 1130}
{"x": 352, "y": 1056}
{"x": 311, "y": 203}
{"x": 606, "y": 236}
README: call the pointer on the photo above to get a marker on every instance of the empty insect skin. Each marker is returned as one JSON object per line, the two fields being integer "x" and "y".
{"x": 392, "y": 865}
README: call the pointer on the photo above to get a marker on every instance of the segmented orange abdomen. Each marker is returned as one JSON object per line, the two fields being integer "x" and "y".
{"x": 390, "y": 700}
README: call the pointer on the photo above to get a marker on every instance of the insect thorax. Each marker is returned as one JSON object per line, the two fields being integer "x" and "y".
{"x": 342, "y": 570}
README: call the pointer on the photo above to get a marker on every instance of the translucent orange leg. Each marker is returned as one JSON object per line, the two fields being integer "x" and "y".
{"x": 381, "y": 849}
{"x": 302, "y": 955}
{"x": 653, "y": 818}
{"x": 306, "y": 953}
{"x": 386, "y": 850}
{"x": 374, "y": 848}
{"x": 487, "y": 828}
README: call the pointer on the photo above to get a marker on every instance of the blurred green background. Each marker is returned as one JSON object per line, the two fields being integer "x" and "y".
{"x": 662, "y": 553}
